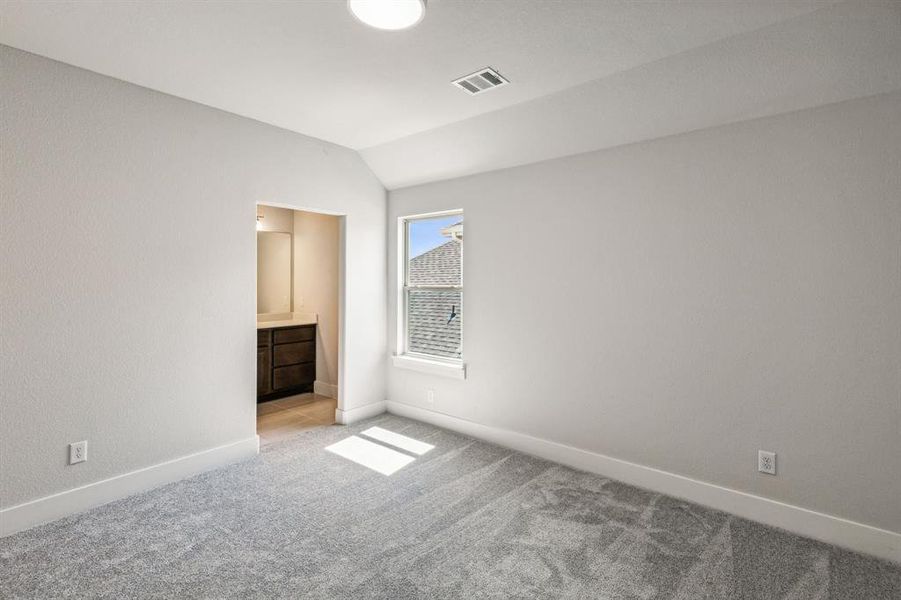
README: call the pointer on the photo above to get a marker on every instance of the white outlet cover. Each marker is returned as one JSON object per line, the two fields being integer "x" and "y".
{"x": 766, "y": 462}
{"x": 78, "y": 452}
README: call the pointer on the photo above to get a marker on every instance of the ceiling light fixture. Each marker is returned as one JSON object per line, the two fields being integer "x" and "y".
{"x": 390, "y": 15}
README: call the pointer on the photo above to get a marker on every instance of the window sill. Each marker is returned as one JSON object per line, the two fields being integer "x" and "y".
{"x": 432, "y": 367}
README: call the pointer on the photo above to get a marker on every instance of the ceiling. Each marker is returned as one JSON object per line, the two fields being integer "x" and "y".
{"x": 312, "y": 68}
{"x": 585, "y": 74}
{"x": 844, "y": 51}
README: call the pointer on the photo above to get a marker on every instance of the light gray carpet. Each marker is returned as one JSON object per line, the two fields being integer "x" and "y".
{"x": 466, "y": 520}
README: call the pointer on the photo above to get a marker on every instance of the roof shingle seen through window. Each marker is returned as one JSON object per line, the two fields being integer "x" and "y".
{"x": 439, "y": 266}
{"x": 430, "y": 327}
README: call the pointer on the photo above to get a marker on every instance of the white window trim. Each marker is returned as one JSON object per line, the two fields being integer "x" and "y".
{"x": 404, "y": 359}
{"x": 453, "y": 369}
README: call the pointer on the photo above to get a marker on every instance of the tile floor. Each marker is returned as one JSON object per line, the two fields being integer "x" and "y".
{"x": 279, "y": 419}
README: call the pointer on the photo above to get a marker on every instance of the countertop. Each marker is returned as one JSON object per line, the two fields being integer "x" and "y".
{"x": 288, "y": 321}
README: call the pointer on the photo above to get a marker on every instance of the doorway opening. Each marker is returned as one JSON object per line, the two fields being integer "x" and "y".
{"x": 298, "y": 320}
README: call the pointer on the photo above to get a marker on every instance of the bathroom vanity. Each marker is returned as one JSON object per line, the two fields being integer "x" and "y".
{"x": 286, "y": 359}
{"x": 286, "y": 340}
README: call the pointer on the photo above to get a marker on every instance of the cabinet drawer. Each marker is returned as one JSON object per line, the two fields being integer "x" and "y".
{"x": 264, "y": 336}
{"x": 294, "y": 334}
{"x": 291, "y": 354}
{"x": 296, "y": 376}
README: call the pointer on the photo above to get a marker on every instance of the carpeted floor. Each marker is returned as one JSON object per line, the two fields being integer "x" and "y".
{"x": 465, "y": 520}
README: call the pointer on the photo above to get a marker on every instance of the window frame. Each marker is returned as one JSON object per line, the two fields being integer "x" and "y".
{"x": 404, "y": 288}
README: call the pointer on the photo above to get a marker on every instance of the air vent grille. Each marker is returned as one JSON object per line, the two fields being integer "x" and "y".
{"x": 480, "y": 81}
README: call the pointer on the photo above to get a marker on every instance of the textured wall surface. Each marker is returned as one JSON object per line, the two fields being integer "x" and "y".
{"x": 684, "y": 302}
{"x": 275, "y": 219}
{"x": 317, "y": 283}
{"x": 128, "y": 271}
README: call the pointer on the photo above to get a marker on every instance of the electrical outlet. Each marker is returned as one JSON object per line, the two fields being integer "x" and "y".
{"x": 78, "y": 452}
{"x": 766, "y": 462}
{"x": 430, "y": 396}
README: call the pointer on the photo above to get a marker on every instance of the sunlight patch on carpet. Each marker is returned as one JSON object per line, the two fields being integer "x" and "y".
{"x": 397, "y": 440}
{"x": 371, "y": 455}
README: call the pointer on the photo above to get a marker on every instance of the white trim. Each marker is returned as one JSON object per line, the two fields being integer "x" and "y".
{"x": 432, "y": 367}
{"x": 826, "y": 528}
{"x": 323, "y": 388}
{"x": 434, "y": 214}
{"x": 346, "y": 417}
{"x": 342, "y": 279}
{"x": 403, "y": 271}
{"x": 56, "y": 506}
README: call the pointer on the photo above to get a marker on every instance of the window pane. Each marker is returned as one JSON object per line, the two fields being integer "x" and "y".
{"x": 435, "y": 251}
{"x": 434, "y": 320}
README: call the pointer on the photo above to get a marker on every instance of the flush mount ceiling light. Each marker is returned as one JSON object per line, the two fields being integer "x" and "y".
{"x": 391, "y": 15}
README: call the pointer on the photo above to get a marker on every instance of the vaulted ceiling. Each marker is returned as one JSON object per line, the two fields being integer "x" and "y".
{"x": 584, "y": 74}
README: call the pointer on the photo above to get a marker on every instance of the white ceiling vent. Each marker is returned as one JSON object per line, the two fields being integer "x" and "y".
{"x": 480, "y": 81}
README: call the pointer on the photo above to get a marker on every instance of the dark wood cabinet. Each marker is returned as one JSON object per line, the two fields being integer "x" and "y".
{"x": 264, "y": 371}
{"x": 294, "y": 334}
{"x": 294, "y": 353}
{"x": 286, "y": 361}
{"x": 286, "y": 378}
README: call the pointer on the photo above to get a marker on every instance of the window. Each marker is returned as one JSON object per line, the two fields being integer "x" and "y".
{"x": 432, "y": 302}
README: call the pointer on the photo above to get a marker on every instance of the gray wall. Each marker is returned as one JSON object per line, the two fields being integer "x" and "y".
{"x": 684, "y": 302}
{"x": 128, "y": 271}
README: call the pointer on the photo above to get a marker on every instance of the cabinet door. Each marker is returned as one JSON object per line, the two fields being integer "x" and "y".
{"x": 264, "y": 371}
{"x": 294, "y": 376}
{"x": 292, "y": 354}
{"x": 295, "y": 334}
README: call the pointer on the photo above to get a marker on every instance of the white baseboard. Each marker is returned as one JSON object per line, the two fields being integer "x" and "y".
{"x": 329, "y": 390}
{"x": 56, "y": 506}
{"x": 826, "y": 528}
{"x": 346, "y": 417}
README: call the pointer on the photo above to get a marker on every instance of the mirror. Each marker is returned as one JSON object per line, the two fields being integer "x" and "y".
{"x": 273, "y": 272}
